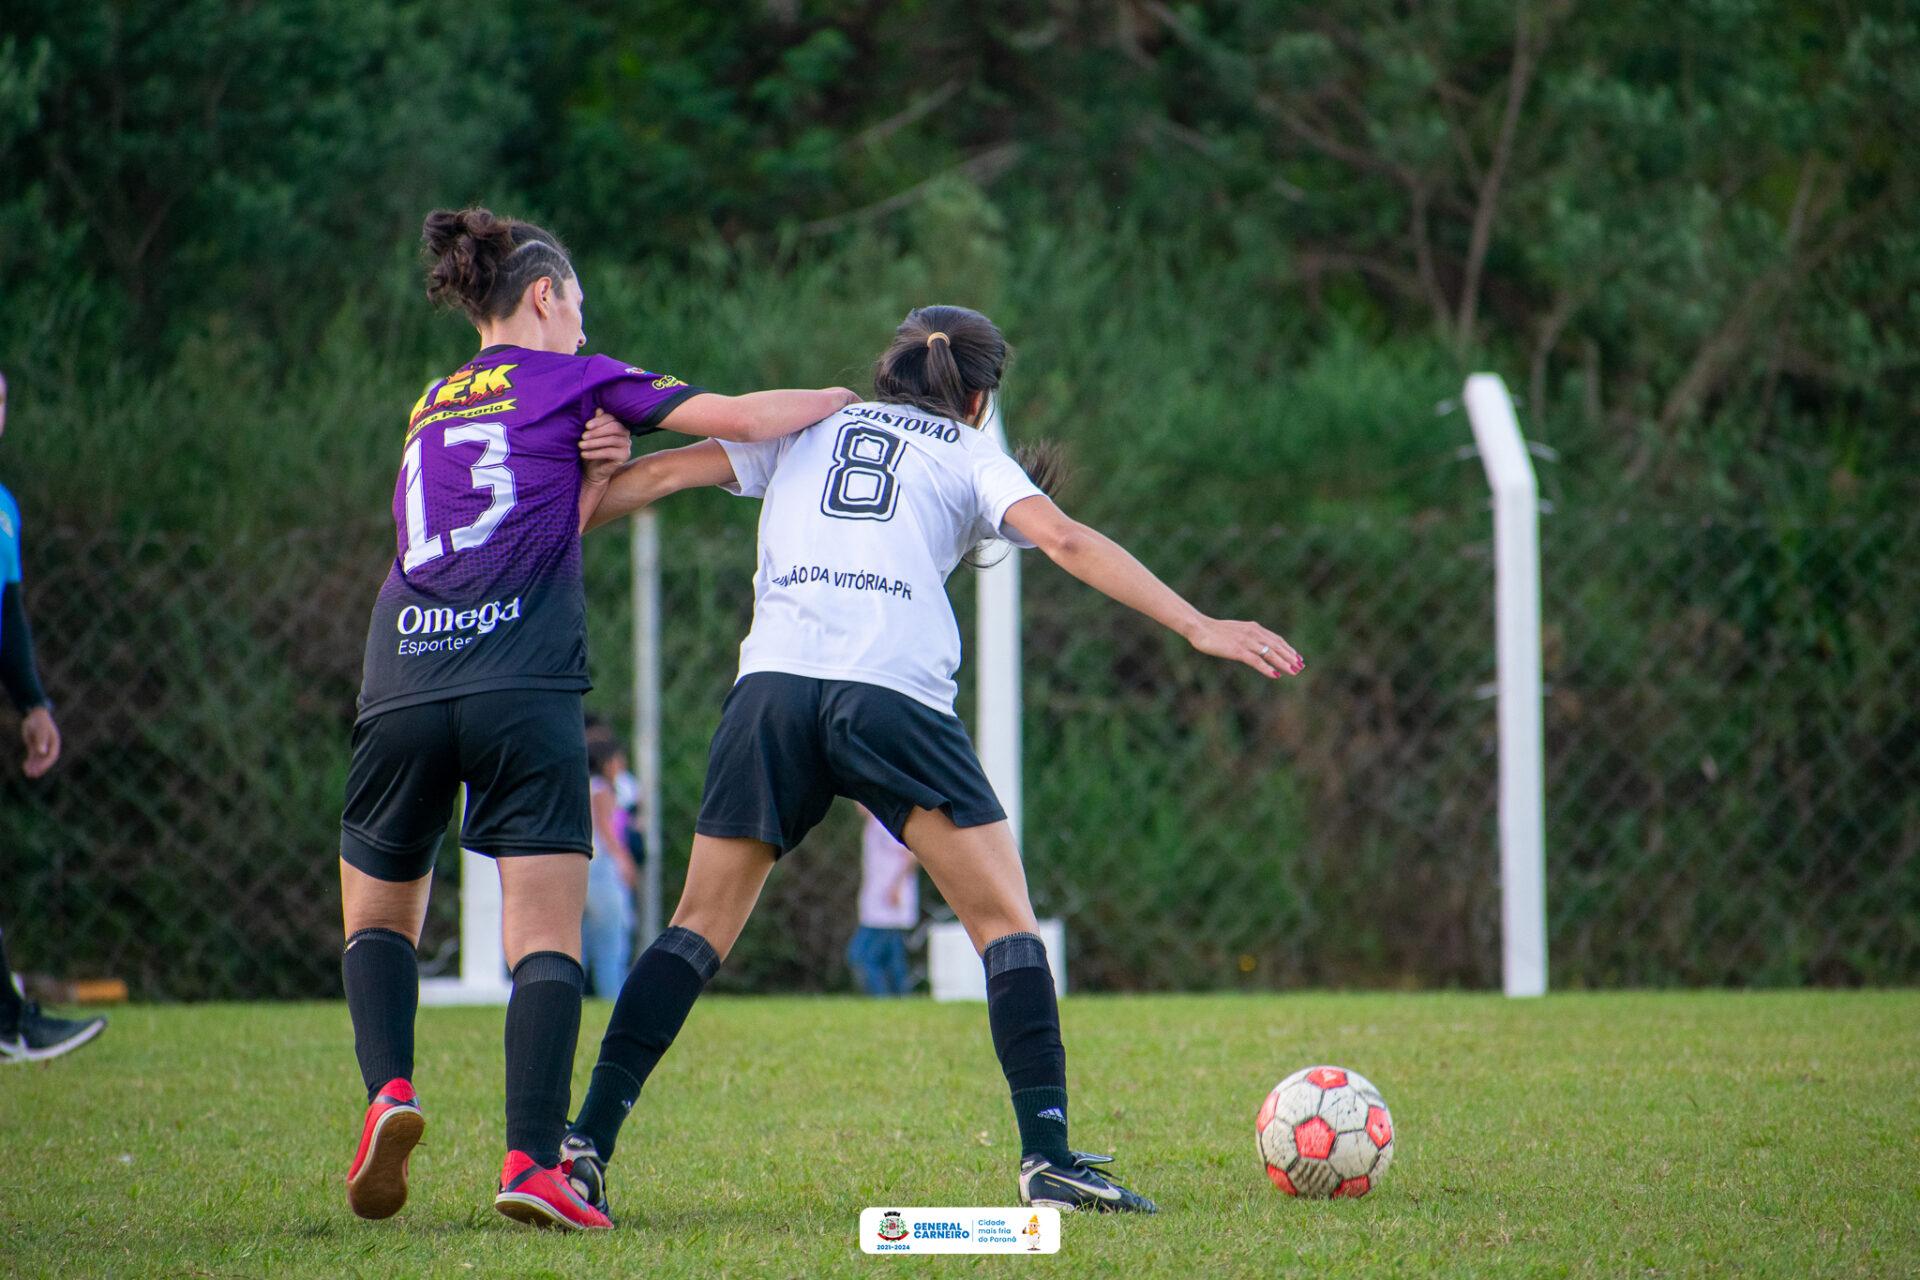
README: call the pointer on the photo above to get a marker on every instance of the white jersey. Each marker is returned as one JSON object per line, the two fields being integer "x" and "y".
{"x": 864, "y": 516}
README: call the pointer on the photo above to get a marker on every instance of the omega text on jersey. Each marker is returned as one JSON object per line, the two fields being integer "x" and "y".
{"x": 416, "y": 621}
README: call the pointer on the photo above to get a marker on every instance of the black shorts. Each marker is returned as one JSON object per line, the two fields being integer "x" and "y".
{"x": 522, "y": 754}
{"x": 787, "y": 745}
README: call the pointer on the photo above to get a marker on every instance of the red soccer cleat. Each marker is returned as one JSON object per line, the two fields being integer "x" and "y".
{"x": 377, "y": 1182}
{"x": 544, "y": 1198}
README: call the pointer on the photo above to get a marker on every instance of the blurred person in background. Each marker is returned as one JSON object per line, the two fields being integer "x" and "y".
{"x": 632, "y": 805}
{"x": 629, "y": 805}
{"x": 27, "y": 1034}
{"x": 889, "y": 910}
{"x": 606, "y": 928}
{"x": 475, "y": 663}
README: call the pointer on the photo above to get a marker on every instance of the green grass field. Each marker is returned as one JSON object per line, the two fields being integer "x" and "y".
{"x": 1581, "y": 1135}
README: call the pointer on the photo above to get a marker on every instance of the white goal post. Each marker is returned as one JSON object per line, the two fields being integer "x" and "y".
{"x": 483, "y": 955}
{"x": 1516, "y": 610}
{"x": 996, "y": 656}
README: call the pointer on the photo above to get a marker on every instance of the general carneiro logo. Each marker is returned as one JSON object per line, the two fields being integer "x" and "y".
{"x": 1026, "y": 1230}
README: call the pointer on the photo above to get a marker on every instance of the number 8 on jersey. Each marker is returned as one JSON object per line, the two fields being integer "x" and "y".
{"x": 862, "y": 485}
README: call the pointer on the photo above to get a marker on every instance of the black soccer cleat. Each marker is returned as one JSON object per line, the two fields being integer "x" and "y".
{"x": 39, "y": 1036}
{"x": 581, "y": 1163}
{"x": 1077, "y": 1186}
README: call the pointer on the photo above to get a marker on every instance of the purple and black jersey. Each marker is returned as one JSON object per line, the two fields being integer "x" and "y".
{"x": 485, "y": 590}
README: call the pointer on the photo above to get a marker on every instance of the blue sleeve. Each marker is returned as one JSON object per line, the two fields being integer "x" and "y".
{"x": 9, "y": 538}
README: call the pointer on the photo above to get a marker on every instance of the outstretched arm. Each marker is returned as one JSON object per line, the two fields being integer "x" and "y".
{"x": 645, "y": 481}
{"x": 758, "y": 415}
{"x": 1105, "y": 565}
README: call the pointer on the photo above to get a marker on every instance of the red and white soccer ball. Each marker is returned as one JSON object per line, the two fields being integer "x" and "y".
{"x": 1325, "y": 1132}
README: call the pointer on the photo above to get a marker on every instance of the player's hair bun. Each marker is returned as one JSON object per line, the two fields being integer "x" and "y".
{"x": 466, "y": 247}
{"x": 483, "y": 263}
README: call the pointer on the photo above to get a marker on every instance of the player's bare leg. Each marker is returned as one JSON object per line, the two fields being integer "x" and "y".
{"x": 724, "y": 879}
{"x": 542, "y": 897}
{"x": 399, "y": 906}
{"x": 978, "y": 871}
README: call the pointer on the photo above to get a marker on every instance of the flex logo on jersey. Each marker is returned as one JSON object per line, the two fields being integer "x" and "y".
{"x": 464, "y": 389}
{"x": 862, "y": 484}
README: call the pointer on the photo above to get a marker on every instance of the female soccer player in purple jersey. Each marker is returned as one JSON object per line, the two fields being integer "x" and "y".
{"x": 846, "y": 687}
{"x": 475, "y": 662}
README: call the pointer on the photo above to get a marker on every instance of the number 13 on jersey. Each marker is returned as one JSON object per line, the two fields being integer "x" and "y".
{"x": 489, "y": 472}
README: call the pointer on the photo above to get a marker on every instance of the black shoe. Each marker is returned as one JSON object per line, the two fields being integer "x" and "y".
{"x": 39, "y": 1036}
{"x": 1077, "y": 1186}
{"x": 581, "y": 1163}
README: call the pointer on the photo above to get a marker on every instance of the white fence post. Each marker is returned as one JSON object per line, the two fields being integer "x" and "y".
{"x": 483, "y": 954}
{"x": 1516, "y": 578}
{"x": 646, "y": 710}
{"x": 997, "y": 675}
{"x": 953, "y": 968}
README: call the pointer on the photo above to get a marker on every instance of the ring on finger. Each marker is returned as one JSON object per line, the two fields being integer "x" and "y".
{"x": 1263, "y": 649}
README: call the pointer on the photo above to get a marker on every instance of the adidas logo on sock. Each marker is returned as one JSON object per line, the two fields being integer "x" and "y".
{"x": 1053, "y": 1113}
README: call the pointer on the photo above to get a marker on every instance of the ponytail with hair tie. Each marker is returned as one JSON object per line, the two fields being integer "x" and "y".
{"x": 943, "y": 379}
{"x": 940, "y": 357}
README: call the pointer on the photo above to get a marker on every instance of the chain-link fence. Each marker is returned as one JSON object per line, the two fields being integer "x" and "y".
{"x": 187, "y": 840}
{"x": 1733, "y": 732}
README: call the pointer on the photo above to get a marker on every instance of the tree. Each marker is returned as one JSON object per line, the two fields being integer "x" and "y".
{"x": 256, "y": 157}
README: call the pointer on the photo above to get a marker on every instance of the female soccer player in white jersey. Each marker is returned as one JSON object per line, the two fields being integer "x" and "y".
{"x": 846, "y": 688}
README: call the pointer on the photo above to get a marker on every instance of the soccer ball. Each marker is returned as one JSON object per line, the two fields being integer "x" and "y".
{"x": 1325, "y": 1132}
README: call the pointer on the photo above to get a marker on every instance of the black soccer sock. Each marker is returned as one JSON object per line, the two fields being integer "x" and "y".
{"x": 1026, "y": 1035}
{"x": 653, "y": 1006}
{"x": 543, "y": 1030}
{"x": 11, "y": 1005}
{"x": 381, "y": 972}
